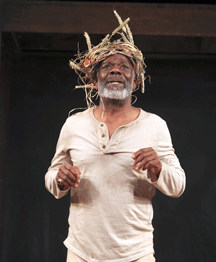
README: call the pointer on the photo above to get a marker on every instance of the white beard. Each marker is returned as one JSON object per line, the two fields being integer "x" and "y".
{"x": 103, "y": 91}
{"x": 114, "y": 94}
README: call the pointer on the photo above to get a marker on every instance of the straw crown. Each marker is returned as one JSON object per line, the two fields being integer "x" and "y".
{"x": 86, "y": 63}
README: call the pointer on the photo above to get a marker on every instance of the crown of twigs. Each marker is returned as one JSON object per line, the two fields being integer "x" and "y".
{"x": 86, "y": 63}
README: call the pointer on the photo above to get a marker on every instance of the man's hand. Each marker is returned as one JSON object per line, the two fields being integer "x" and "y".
{"x": 69, "y": 176}
{"x": 146, "y": 158}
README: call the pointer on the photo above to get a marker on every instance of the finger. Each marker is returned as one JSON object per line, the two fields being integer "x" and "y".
{"x": 137, "y": 153}
{"x": 142, "y": 156}
{"x": 67, "y": 175}
{"x": 73, "y": 169}
{"x": 149, "y": 161}
{"x": 77, "y": 171}
{"x": 149, "y": 165}
{"x": 143, "y": 164}
{"x": 155, "y": 167}
{"x": 139, "y": 159}
{"x": 68, "y": 180}
{"x": 71, "y": 183}
{"x": 146, "y": 150}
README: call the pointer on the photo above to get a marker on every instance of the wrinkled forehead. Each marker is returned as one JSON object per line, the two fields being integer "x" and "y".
{"x": 117, "y": 57}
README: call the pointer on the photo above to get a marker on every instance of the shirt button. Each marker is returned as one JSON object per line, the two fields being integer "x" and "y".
{"x": 104, "y": 146}
{"x": 101, "y": 125}
{"x": 103, "y": 135}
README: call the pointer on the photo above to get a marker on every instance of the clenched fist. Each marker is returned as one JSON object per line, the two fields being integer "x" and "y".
{"x": 68, "y": 176}
{"x": 147, "y": 159}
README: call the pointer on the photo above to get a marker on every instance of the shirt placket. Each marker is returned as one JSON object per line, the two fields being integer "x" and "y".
{"x": 103, "y": 136}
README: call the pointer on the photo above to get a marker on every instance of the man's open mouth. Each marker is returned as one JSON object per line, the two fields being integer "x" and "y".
{"x": 114, "y": 82}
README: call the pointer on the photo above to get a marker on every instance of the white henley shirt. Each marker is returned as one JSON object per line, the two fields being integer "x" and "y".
{"x": 111, "y": 213}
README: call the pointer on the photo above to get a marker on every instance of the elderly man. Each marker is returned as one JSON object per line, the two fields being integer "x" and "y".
{"x": 112, "y": 157}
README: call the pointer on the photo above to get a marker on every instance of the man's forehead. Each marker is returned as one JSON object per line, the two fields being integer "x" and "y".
{"x": 115, "y": 57}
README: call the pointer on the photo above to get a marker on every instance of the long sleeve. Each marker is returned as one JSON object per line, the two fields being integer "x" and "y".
{"x": 172, "y": 179}
{"x": 61, "y": 156}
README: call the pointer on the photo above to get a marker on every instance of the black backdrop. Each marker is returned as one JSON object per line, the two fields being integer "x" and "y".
{"x": 42, "y": 93}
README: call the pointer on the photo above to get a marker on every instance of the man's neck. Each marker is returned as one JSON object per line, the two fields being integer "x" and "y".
{"x": 112, "y": 106}
{"x": 115, "y": 114}
{"x": 110, "y": 109}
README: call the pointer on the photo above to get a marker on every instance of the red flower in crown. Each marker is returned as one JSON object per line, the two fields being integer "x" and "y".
{"x": 86, "y": 63}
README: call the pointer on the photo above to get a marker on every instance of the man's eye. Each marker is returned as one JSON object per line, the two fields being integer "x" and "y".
{"x": 106, "y": 66}
{"x": 125, "y": 67}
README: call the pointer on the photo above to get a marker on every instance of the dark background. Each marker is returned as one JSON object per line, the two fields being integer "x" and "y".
{"x": 39, "y": 96}
{"x": 42, "y": 93}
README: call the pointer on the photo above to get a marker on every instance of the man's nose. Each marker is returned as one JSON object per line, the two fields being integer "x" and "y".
{"x": 115, "y": 70}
